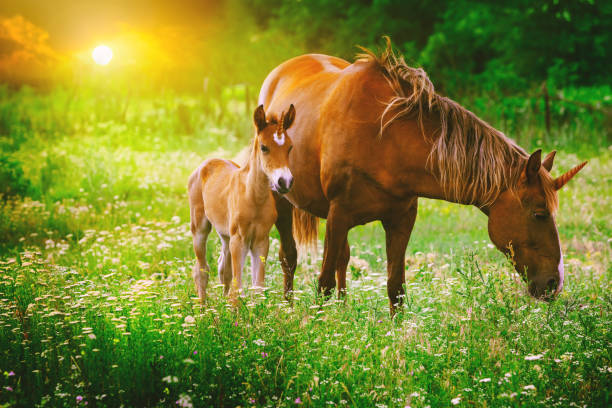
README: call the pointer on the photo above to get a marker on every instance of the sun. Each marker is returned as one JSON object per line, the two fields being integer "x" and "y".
{"x": 102, "y": 55}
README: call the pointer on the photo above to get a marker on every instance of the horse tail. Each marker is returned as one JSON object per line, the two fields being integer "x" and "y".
{"x": 305, "y": 230}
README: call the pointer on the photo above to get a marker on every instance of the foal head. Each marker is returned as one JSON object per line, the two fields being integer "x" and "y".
{"x": 273, "y": 145}
{"x": 522, "y": 225}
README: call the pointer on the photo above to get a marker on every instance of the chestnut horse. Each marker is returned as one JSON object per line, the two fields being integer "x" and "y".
{"x": 372, "y": 137}
{"x": 238, "y": 202}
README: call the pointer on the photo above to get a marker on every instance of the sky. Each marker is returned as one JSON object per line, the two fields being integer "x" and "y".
{"x": 76, "y": 24}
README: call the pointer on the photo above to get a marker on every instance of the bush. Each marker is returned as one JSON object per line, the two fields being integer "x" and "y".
{"x": 12, "y": 179}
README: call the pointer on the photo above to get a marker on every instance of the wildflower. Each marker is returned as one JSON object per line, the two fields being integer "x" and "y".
{"x": 251, "y": 400}
{"x": 184, "y": 401}
{"x": 195, "y": 352}
{"x": 79, "y": 399}
{"x": 235, "y": 324}
{"x": 259, "y": 342}
{"x": 298, "y": 400}
{"x": 189, "y": 320}
{"x": 170, "y": 379}
{"x": 529, "y": 387}
{"x": 8, "y": 388}
{"x": 264, "y": 354}
{"x": 456, "y": 401}
{"x": 536, "y": 357}
{"x": 485, "y": 380}
{"x": 11, "y": 373}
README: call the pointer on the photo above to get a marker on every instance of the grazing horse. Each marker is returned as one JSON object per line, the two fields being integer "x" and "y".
{"x": 372, "y": 137}
{"x": 239, "y": 204}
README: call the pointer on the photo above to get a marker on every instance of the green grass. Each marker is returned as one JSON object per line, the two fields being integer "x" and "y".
{"x": 97, "y": 304}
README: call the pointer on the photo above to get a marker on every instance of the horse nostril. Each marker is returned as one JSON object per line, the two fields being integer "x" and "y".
{"x": 282, "y": 183}
{"x": 552, "y": 284}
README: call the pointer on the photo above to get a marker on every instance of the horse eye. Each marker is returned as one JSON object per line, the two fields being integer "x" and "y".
{"x": 540, "y": 215}
{"x": 264, "y": 149}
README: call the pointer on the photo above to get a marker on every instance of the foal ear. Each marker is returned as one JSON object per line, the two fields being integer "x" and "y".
{"x": 259, "y": 117}
{"x": 547, "y": 163}
{"x": 533, "y": 165}
{"x": 289, "y": 117}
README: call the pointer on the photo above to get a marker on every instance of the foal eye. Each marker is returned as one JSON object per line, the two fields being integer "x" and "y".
{"x": 264, "y": 149}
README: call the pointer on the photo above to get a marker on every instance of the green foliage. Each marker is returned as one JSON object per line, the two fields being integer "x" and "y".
{"x": 12, "y": 180}
{"x": 464, "y": 45}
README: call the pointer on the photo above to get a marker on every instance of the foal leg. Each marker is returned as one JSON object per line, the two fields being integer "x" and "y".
{"x": 336, "y": 231}
{"x": 287, "y": 254}
{"x": 238, "y": 250}
{"x": 224, "y": 265}
{"x": 397, "y": 233}
{"x": 200, "y": 228}
{"x": 259, "y": 253}
{"x": 341, "y": 265}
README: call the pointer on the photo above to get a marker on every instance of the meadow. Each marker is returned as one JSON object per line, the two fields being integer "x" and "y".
{"x": 98, "y": 308}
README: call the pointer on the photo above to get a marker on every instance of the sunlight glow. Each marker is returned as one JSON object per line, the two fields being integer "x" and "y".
{"x": 102, "y": 55}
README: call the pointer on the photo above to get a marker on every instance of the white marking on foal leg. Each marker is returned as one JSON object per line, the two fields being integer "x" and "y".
{"x": 280, "y": 140}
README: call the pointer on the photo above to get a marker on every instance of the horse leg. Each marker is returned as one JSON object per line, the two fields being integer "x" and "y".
{"x": 397, "y": 233}
{"x": 259, "y": 253}
{"x": 238, "y": 251}
{"x": 287, "y": 253}
{"x": 200, "y": 228}
{"x": 341, "y": 265}
{"x": 224, "y": 265}
{"x": 336, "y": 231}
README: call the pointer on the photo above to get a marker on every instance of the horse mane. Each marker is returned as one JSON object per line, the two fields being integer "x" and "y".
{"x": 473, "y": 161}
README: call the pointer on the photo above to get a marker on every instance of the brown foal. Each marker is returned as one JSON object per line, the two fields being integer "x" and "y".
{"x": 238, "y": 202}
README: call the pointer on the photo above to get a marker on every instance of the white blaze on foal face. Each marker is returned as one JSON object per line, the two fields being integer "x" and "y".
{"x": 280, "y": 140}
{"x": 274, "y": 146}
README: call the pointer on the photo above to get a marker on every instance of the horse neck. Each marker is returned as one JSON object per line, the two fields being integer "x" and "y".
{"x": 419, "y": 152}
{"x": 257, "y": 183}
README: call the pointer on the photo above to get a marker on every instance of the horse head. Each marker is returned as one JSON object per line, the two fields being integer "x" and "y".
{"x": 274, "y": 146}
{"x": 522, "y": 225}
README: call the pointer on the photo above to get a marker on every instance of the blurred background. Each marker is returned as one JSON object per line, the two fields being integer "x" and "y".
{"x": 83, "y": 82}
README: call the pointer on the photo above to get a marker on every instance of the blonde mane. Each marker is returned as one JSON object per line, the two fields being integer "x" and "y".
{"x": 473, "y": 161}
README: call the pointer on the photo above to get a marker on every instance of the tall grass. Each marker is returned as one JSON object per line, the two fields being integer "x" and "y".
{"x": 97, "y": 305}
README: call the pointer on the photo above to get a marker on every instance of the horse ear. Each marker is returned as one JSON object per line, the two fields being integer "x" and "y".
{"x": 533, "y": 165}
{"x": 547, "y": 163}
{"x": 289, "y": 117}
{"x": 259, "y": 117}
{"x": 563, "y": 179}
